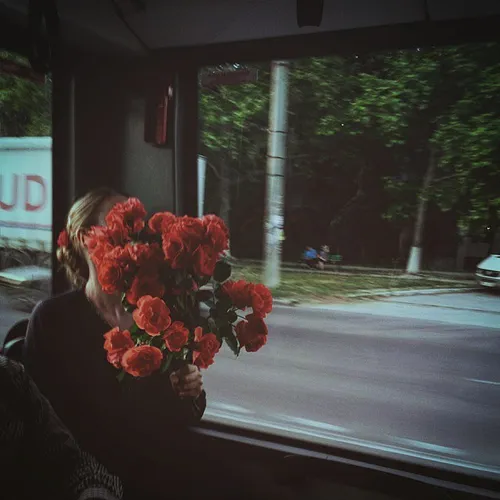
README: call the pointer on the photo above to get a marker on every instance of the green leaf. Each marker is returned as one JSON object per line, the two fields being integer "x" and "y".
{"x": 221, "y": 321}
{"x": 157, "y": 341}
{"x": 226, "y": 330}
{"x": 212, "y": 325}
{"x": 210, "y": 303}
{"x": 204, "y": 295}
{"x": 128, "y": 307}
{"x": 232, "y": 316}
{"x": 223, "y": 304}
{"x": 203, "y": 280}
{"x": 121, "y": 376}
{"x": 167, "y": 362}
{"x": 133, "y": 329}
{"x": 232, "y": 342}
{"x": 222, "y": 271}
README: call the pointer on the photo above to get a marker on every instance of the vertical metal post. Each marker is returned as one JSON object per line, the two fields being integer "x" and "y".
{"x": 276, "y": 160}
{"x": 202, "y": 167}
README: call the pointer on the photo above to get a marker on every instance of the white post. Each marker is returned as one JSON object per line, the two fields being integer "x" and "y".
{"x": 202, "y": 168}
{"x": 414, "y": 260}
{"x": 276, "y": 160}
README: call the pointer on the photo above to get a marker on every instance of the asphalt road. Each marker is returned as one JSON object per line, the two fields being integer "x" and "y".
{"x": 404, "y": 378}
{"x": 415, "y": 378}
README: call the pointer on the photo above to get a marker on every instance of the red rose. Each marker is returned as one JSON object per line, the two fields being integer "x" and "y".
{"x": 176, "y": 254}
{"x": 191, "y": 230}
{"x": 118, "y": 230}
{"x": 207, "y": 342}
{"x": 125, "y": 219}
{"x": 262, "y": 300}
{"x": 98, "y": 242}
{"x": 116, "y": 343}
{"x": 114, "y": 270}
{"x": 204, "y": 261}
{"x": 63, "y": 239}
{"x": 252, "y": 333}
{"x": 123, "y": 257}
{"x": 144, "y": 253}
{"x": 203, "y": 359}
{"x": 240, "y": 293}
{"x": 198, "y": 333}
{"x": 160, "y": 222}
{"x": 207, "y": 346}
{"x": 142, "y": 361}
{"x": 152, "y": 315}
{"x": 100, "y": 252}
{"x": 145, "y": 284}
{"x": 111, "y": 276}
{"x": 176, "y": 336}
{"x": 216, "y": 233}
{"x": 148, "y": 257}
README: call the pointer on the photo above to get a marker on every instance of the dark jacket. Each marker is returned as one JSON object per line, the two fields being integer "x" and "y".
{"x": 38, "y": 456}
{"x": 132, "y": 427}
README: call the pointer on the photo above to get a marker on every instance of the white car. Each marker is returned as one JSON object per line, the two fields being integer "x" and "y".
{"x": 488, "y": 272}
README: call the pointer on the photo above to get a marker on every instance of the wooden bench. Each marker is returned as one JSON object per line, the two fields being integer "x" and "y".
{"x": 335, "y": 259}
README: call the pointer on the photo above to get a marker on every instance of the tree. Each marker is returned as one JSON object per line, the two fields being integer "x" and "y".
{"x": 469, "y": 141}
{"x": 396, "y": 133}
{"x": 412, "y": 100}
{"x": 233, "y": 120}
{"x": 25, "y": 106}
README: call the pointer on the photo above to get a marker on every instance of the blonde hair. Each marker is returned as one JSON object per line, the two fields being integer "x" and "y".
{"x": 83, "y": 214}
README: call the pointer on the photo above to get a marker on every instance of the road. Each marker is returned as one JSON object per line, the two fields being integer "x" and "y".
{"x": 415, "y": 378}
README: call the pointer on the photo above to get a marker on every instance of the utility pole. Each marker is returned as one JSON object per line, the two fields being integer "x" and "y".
{"x": 202, "y": 167}
{"x": 275, "y": 178}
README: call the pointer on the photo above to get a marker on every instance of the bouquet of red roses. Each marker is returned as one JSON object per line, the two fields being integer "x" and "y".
{"x": 163, "y": 268}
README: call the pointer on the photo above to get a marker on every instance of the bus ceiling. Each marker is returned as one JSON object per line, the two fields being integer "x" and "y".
{"x": 139, "y": 27}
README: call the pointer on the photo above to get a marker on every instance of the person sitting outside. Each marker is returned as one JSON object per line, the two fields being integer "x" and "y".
{"x": 311, "y": 257}
{"x": 323, "y": 257}
{"x": 39, "y": 458}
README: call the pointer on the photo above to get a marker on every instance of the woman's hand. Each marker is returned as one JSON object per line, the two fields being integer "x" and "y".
{"x": 187, "y": 382}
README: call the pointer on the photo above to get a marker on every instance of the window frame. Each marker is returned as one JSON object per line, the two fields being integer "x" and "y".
{"x": 377, "y": 473}
{"x": 404, "y": 36}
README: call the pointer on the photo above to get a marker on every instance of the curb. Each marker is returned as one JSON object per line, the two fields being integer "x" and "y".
{"x": 384, "y": 293}
{"x": 286, "y": 302}
{"x": 404, "y": 293}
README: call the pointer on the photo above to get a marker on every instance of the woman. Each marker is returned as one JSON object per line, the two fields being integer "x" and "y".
{"x": 129, "y": 427}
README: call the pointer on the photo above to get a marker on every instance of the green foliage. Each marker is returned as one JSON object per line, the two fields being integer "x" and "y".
{"x": 445, "y": 98}
{"x": 25, "y": 106}
{"x": 167, "y": 361}
{"x": 375, "y": 117}
{"x": 222, "y": 271}
{"x": 232, "y": 343}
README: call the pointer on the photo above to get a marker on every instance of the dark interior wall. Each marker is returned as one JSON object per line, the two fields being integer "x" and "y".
{"x": 147, "y": 170}
{"x": 110, "y": 103}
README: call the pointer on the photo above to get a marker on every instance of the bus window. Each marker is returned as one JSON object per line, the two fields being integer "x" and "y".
{"x": 25, "y": 189}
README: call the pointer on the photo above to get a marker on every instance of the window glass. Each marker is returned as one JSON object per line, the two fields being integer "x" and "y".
{"x": 380, "y": 212}
{"x": 25, "y": 189}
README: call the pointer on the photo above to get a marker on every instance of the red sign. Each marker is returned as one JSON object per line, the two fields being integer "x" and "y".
{"x": 237, "y": 77}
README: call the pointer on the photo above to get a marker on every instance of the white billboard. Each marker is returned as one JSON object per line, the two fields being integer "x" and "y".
{"x": 26, "y": 192}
